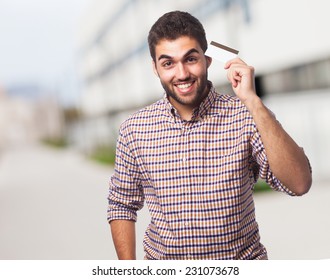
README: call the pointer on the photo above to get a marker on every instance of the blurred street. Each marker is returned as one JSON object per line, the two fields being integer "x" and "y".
{"x": 53, "y": 206}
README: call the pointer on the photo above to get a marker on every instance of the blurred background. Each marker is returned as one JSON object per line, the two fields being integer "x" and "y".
{"x": 72, "y": 71}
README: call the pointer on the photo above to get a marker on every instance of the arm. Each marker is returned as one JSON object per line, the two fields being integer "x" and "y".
{"x": 125, "y": 199}
{"x": 286, "y": 159}
{"x": 123, "y": 236}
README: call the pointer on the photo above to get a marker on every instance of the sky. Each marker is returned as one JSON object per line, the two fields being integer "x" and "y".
{"x": 38, "y": 43}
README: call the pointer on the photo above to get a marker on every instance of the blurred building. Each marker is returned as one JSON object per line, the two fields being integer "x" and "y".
{"x": 286, "y": 42}
{"x": 27, "y": 116}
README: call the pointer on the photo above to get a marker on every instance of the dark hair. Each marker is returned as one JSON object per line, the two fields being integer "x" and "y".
{"x": 173, "y": 25}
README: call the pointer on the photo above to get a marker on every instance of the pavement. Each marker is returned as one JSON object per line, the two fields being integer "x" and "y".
{"x": 53, "y": 207}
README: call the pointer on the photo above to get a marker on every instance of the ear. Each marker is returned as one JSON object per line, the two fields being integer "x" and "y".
{"x": 208, "y": 61}
{"x": 154, "y": 68}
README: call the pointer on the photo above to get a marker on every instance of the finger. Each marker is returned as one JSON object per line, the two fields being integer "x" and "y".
{"x": 237, "y": 78}
{"x": 233, "y": 77}
{"x": 235, "y": 60}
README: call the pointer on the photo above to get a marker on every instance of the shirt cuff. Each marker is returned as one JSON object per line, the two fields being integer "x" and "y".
{"x": 116, "y": 212}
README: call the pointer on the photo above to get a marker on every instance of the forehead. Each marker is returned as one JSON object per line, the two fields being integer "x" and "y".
{"x": 177, "y": 47}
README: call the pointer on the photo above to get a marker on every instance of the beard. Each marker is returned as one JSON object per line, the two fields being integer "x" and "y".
{"x": 198, "y": 97}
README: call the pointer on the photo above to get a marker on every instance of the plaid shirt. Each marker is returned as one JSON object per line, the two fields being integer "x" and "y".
{"x": 196, "y": 177}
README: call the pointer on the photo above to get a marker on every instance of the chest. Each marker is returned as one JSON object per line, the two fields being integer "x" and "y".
{"x": 217, "y": 145}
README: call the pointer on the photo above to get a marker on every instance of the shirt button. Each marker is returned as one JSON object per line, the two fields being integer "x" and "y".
{"x": 184, "y": 159}
{"x": 186, "y": 224}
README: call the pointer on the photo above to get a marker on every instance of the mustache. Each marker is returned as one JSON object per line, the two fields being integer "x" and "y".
{"x": 187, "y": 80}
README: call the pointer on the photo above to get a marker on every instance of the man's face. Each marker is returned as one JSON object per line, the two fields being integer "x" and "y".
{"x": 182, "y": 69}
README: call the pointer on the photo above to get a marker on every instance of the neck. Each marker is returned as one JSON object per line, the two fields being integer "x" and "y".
{"x": 186, "y": 114}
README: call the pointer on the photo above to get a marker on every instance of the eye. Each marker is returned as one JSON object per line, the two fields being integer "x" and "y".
{"x": 167, "y": 64}
{"x": 191, "y": 59}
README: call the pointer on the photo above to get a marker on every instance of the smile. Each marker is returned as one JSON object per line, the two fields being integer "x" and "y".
{"x": 183, "y": 86}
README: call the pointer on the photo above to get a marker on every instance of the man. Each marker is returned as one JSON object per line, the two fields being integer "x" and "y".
{"x": 195, "y": 155}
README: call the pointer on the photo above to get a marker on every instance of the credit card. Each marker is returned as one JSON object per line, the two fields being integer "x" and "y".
{"x": 220, "y": 52}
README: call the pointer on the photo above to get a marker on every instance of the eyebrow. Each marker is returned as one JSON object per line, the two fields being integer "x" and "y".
{"x": 165, "y": 56}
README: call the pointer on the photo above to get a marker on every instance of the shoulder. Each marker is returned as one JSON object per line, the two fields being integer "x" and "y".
{"x": 143, "y": 117}
{"x": 230, "y": 100}
{"x": 230, "y": 111}
{"x": 230, "y": 103}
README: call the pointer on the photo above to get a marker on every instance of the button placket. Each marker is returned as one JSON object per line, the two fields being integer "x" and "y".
{"x": 186, "y": 205}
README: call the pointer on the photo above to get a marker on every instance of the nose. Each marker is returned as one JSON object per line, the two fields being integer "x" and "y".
{"x": 182, "y": 72}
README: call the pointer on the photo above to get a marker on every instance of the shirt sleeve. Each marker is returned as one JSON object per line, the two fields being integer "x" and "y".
{"x": 264, "y": 171}
{"x": 125, "y": 192}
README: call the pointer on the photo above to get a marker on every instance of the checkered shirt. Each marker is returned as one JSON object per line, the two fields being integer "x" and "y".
{"x": 196, "y": 178}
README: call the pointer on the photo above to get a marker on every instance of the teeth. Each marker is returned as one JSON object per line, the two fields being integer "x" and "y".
{"x": 182, "y": 86}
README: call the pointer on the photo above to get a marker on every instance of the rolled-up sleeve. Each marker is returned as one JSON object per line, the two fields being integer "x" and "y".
{"x": 263, "y": 168}
{"x": 125, "y": 192}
